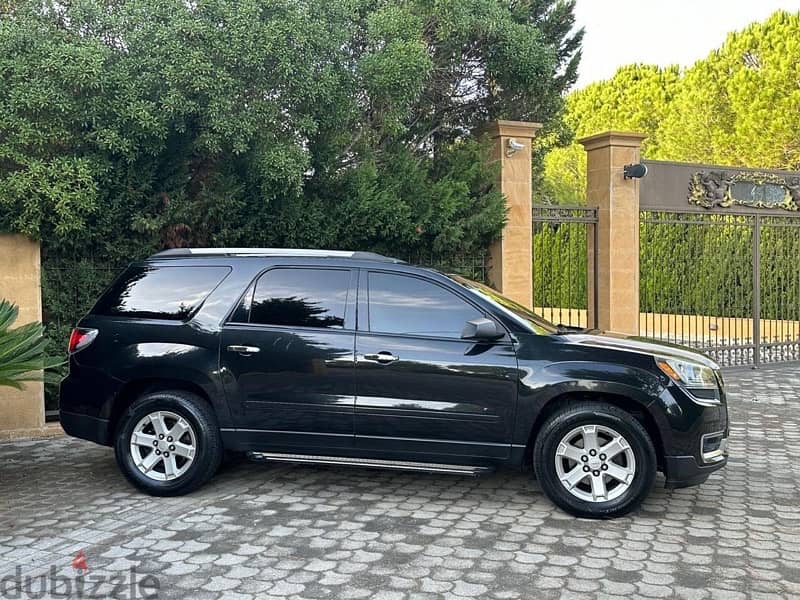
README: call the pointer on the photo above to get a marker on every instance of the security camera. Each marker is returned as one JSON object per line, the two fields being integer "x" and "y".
{"x": 636, "y": 171}
{"x": 513, "y": 146}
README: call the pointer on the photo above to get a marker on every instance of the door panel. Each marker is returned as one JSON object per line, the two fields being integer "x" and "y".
{"x": 290, "y": 369}
{"x": 300, "y": 383}
{"x": 429, "y": 394}
{"x": 438, "y": 397}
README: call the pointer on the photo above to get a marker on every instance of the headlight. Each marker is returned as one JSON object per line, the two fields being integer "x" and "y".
{"x": 700, "y": 381}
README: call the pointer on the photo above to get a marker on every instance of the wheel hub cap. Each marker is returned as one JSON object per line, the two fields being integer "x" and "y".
{"x": 163, "y": 445}
{"x": 595, "y": 463}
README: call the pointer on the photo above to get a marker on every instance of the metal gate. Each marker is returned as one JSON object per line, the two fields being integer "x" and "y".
{"x": 717, "y": 274}
{"x": 564, "y": 251}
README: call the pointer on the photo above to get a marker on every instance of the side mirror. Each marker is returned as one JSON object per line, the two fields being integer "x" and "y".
{"x": 481, "y": 329}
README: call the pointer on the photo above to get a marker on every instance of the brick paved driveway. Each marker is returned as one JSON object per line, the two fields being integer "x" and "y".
{"x": 262, "y": 530}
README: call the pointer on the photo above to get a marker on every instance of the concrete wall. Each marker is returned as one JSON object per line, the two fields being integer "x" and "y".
{"x": 21, "y": 412}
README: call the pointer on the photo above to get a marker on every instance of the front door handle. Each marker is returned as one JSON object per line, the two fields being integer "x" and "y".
{"x": 382, "y": 357}
{"x": 244, "y": 349}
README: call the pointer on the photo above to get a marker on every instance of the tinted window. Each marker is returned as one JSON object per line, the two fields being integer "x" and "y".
{"x": 301, "y": 297}
{"x": 408, "y": 305}
{"x": 160, "y": 292}
{"x": 521, "y": 314}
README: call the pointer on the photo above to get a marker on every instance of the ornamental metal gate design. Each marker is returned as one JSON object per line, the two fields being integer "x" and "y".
{"x": 564, "y": 251}
{"x": 716, "y": 273}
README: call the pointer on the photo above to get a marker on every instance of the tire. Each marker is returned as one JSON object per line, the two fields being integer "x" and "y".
{"x": 563, "y": 450}
{"x": 195, "y": 456}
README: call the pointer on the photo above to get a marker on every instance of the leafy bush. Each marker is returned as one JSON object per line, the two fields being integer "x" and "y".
{"x": 22, "y": 350}
{"x": 559, "y": 265}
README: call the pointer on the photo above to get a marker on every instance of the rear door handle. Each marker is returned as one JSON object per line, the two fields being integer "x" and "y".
{"x": 244, "y": 349}
{"x": 382, "y": 357}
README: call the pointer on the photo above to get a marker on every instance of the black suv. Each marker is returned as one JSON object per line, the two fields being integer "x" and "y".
{"x": 357, "y": 359}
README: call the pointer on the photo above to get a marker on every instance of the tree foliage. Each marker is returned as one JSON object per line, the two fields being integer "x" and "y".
{"x": 738, "y": 106}
{"x": 341, "y": 123}
{"x": 637, "y": 98}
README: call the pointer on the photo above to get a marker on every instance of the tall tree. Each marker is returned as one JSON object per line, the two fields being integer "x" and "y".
{"x": 636, "y": 98}
{"x": 162, "y": 122}
{"x": 739, "y": 105}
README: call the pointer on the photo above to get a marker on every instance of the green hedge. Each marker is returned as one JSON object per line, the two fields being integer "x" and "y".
{"x": 559, "y": 265}
{"x": 702, "y": 265}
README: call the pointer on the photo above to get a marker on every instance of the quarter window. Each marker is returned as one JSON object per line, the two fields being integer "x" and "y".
{"x": 413, "y": 306}
{"x": 159, "y": 292}
{"x": 301, "y": 298}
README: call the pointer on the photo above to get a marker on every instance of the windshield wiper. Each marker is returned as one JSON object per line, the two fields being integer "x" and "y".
{"x": 561, "y": 328}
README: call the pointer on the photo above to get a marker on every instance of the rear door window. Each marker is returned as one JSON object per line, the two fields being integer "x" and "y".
{"x": 172, "y": 293}
{"x": 301, "y": 298}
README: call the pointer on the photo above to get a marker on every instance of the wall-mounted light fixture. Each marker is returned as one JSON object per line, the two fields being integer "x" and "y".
{"x": 636, "y": 171}
{"x": 513, "y": 146}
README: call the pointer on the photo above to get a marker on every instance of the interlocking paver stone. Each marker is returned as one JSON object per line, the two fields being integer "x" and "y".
{"x": 261, "y": 530}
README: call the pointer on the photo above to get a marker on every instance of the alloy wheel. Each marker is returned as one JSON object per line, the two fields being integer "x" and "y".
{"x": 163, "y": 445}
{"x": 595, "y": 463}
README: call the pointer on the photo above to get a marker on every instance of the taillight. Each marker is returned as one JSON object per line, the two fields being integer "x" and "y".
{"x": 80, "y": 338}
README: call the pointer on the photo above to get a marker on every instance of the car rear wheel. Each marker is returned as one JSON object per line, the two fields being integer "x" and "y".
{"x": 168, "y": 443}
{"x": 594, "y": 460}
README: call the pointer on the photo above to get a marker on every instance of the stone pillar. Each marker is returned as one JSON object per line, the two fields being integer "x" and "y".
{"x": 617, "y": 201}
{"x": 511, "y": 266}
{"x": 21, "y": 412}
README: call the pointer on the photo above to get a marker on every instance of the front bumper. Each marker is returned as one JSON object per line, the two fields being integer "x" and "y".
{"x": 685, "y": 471}
{"x": 694, "y": 436}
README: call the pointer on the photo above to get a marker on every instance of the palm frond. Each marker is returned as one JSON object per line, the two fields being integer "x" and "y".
{"x": 22, "y": 349}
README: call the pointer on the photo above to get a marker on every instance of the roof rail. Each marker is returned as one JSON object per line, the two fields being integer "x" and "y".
{"x": 178, "y": 252}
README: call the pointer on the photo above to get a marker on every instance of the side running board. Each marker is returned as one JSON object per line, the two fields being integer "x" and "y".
{"x": 398, "y": 465}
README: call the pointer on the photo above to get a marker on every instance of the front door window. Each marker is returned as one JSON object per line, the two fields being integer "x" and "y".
{"x": 411, "y": 306}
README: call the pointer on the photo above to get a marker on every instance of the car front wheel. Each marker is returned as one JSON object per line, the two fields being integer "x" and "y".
{"x": 594, "y": 460}
{"x": 168, "y": 443}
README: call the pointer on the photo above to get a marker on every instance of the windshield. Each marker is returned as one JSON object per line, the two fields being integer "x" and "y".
{"x": 520, "y": 314}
